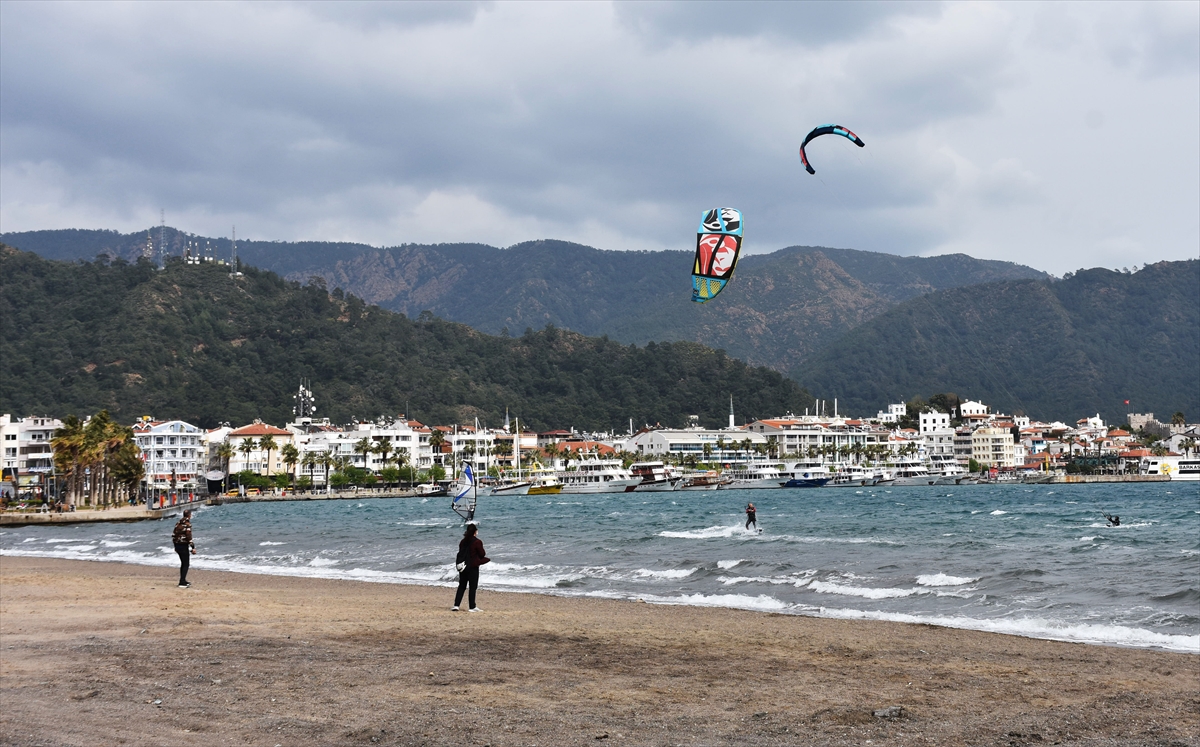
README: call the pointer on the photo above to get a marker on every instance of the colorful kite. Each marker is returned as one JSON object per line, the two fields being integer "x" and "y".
{"x": 829, "y": 129}
{"x": 718, "y": 242}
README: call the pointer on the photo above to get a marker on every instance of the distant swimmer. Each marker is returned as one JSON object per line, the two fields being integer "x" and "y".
{"x": 751, "y": 513}
{"x": 1113, "y": 521}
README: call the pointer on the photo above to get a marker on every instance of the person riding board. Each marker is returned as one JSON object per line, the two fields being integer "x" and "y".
{"x": 751, "y": 516}
{"x": 1113, "y": 521}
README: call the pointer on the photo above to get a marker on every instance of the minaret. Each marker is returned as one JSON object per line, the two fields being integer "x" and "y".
{"x": 731, "y": 425}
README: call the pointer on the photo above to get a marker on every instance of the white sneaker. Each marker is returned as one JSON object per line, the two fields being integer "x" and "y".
{"x": 454, "y": 608}
{"x": 475, "y": 609}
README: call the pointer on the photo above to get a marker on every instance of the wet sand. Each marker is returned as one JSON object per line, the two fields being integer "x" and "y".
{"x": 103, "y": 653}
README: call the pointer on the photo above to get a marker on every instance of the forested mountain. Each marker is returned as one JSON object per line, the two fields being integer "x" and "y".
{"x": 191, "y": 342}
{"x": 782, "y": 306}
{"x": 1049, "y": 349}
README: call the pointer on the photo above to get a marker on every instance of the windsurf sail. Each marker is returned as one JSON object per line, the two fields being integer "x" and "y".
{"x": 828, "y": 129}
{"x": 465, "y": 496}
{"x": 718, "y": 243}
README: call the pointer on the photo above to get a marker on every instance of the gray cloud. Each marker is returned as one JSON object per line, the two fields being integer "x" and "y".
{"x": 1005, "y": 131}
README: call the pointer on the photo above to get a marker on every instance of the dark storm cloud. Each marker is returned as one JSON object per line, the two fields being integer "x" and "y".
{"x": 610, "y": 125}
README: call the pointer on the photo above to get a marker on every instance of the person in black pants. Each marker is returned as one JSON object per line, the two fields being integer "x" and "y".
{"x": 182, "y": 539}
{"x": 470, "y": 550}
{"x": 751, "y": 516}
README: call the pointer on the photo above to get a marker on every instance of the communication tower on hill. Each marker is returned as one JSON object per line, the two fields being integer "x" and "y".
{"x": 233, "y": 263}
{"x": 162, "y": 238}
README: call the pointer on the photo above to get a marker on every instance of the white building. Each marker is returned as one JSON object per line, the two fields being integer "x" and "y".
{"x": 893, "y": 414}
{"x": 174, "y": 452}
{"x": 933, "y": 421}
{"x": 248, "y": 453}
{"x": 800, "y": 436}
{"x": 972, "y": 409}
{"x": 27, "y": 448}
{"x": 724, "y": 445}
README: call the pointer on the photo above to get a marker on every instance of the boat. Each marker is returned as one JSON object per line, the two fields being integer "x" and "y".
{"x": 852, "y": 476}
{"x": 595, "y": 475}
{"x": 655, "y": 477}
{"x": 430, "y": 489}
{"x": 1176, "y": 468}
{"x": 911, "y": 472}
{"x": 709, "y": 480}
{"x": 510, "y": 487}
{"x": 804, "y": 475}
{"x": 543, "y": 482}
{"x": 945, "y": 470}
{"x": 752, "y": 477}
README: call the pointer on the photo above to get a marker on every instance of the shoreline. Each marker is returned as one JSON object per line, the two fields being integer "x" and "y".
{"x": 89, "y": 647}
{"x": 1152, "y": 641}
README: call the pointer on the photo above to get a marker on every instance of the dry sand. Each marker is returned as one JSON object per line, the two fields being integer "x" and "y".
{"x": 104, "y": 654}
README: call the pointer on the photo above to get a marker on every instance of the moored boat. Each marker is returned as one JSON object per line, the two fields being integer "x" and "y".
{"x": 804, "y": 475}
{"x": 752, "y": 477}
{"x": 709, "y": 480}
{"x": 596, "y": 475}
{"x": 654, "y": 476}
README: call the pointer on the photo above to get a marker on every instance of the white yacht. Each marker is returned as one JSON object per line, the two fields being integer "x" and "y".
{"x": 598, "y": 476}
{"x": 752, "y": 477}
{"x": 852, "y": 476}
{"x": 655, "y": 477}
{"x": 911, "y": 472}
{"x": 804, "y": 475}
{"x": 944, "y": 470}
{"x": 510, "y": 487}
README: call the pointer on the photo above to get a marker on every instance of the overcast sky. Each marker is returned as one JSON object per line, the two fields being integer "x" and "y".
{"x": 1061, "y": 135}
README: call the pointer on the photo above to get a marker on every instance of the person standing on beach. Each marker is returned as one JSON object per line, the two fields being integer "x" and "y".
{"x": 751, "y": 514}
{"x": 182, "y": 539}
{"x": 471, "y": 550}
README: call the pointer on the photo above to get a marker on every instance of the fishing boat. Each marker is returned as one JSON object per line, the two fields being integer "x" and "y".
{"x": 655, "y": 477}
{"x": 709, "y": 480}
{"x": 752, "y": 477}
{"x": 596, "y": 475}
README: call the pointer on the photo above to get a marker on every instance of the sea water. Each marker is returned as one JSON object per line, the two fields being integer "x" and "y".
{"x": 1032, "y": 560}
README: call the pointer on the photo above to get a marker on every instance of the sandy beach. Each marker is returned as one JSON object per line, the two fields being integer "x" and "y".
{"x": 106, "y": 653}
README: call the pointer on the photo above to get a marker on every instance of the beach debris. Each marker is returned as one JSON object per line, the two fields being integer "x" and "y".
{"x": 158, "y": 701}
{"x": 602, "y": 736}
{"x": 890, "y": 713}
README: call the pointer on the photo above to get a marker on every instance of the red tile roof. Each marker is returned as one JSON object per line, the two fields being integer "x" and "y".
{"x": 259, "y": 429}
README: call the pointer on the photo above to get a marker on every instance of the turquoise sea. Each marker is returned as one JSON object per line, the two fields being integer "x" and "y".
{"x": 1032, "y": 560}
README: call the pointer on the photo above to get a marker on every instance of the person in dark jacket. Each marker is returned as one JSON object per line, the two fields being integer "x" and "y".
{"x": 182, "y": 539}
{"x": 471, "y": 550}
{"x": 751, "y": 516}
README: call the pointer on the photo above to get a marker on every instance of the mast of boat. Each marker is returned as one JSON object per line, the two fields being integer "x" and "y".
{"x": 517, "y": 447}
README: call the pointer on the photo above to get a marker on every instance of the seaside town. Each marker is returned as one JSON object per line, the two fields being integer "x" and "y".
{"x": 51, "y": 463}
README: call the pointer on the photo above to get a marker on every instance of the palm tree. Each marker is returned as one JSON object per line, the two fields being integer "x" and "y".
{"x": 68, "y": 445}
{"x": 247, "y": 446}
{"x": 225, "y": 453}
{"x": 363, "y": 446}
{"x": 384, "y": 450}
{"x": 267, "y": 444}
{"x": 309, "y": 461}
{"x": 291, "y": 455}
{"x": 436, "y": 440}
{"x": 707, "y": 452}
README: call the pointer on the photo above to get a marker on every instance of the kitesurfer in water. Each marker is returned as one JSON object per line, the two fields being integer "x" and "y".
{"x": 470, "y": 549}
{"x": 751, "y": 514}
{"x": 1113, "y": 521}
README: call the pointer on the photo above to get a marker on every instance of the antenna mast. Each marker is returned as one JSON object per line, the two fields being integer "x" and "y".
{"x": 233, "y": 272}
{"x": 162, "y": 238}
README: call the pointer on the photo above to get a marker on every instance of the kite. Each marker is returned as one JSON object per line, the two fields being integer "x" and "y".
{"x": 829, "y": 129}
{"x": 718, "y": 242}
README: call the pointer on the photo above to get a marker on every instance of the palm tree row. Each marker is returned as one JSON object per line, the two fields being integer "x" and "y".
{"x": 99, "y": 460}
